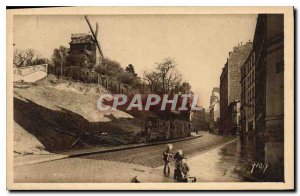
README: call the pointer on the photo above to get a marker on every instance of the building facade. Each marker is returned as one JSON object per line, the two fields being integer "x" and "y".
{"x": 235, "y": 116}
{"x": 269, "y": 93}
{"x": 200, "y": 120}
{"x": 230, "y": 88}
{"x": 82, "y": 43}
{"x": 248, "y": 97}
{"x": 30, "y": 73}
{"x": 214, "y": 111}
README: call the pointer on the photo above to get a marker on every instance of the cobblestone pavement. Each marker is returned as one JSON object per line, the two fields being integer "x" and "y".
{"x": 78, "y": 170}
{"x": 119, "y": 166}
{"x": 152, "y": 156}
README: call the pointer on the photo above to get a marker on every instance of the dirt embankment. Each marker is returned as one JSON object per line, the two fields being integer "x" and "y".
{"x": 55, "y": 115}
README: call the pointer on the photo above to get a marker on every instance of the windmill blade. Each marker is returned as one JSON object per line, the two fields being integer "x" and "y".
{"x": 97, "y": 27}
{"x": 94, "y": 35}
{"x": 96, "y": 39}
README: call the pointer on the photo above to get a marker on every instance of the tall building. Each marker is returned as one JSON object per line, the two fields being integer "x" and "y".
{"x": 214, "y": 111}
{"x": 269, "y": 92}
{"x": 248, "y": 97}
{"x": 200, "y": 120}
{"x": 230, "y": 88}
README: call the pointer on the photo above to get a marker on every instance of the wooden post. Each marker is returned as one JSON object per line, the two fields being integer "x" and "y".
{"x": 107, "y": 83}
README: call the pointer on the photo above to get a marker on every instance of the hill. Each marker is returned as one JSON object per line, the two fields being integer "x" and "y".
{"x": 55, "y": 115}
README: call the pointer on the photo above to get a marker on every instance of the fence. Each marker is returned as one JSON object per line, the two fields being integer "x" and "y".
{"x": 86, "y": 75}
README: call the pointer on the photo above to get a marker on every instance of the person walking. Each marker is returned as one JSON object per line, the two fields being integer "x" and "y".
{"x": 166, "y": 157}
{"x": 178, "y": 157}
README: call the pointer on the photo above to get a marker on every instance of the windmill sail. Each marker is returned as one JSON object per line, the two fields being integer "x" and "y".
{"x": 97, "y": 27}
{"x": 95, "y": 34}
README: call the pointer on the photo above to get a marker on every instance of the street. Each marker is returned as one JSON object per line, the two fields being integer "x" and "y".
{"x": 216, "y": 154}
{"x": 159, "y": 97}
{"x": 222, "y": 164}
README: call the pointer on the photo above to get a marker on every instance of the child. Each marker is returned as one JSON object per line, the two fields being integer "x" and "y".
{"x": 167, "y": 154}
{"x": 178, "y": 156}
{"x": 185, "y": 169}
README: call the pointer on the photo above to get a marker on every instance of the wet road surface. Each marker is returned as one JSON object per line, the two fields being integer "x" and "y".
{"x": 119, "y": 166}
{"x": 222, "y": 164}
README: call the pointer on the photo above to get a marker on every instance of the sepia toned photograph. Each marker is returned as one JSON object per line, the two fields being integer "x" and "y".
{"x": 150, "y": 98}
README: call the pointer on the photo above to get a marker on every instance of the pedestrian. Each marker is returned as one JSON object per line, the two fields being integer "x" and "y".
{"x": 185, "y": 169}
{"x": 179, "y": 156}
{"x": 166, "y": 157}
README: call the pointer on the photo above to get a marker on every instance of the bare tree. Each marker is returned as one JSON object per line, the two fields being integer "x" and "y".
{"x": 164, "y": 69}
{"x": 165, "y": 79}
{"x": 152, "y": 80}
{"x": 174, "y": 81}
{"x": 23, "y": 57}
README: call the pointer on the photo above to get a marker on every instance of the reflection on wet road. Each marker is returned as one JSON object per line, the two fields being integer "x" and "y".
{"x": 219, "y": 165}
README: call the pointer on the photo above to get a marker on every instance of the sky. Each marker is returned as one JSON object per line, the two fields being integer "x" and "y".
{"x": 198, "y": 43}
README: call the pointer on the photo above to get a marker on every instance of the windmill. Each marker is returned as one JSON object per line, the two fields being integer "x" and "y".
{"x": 99, "y": 56}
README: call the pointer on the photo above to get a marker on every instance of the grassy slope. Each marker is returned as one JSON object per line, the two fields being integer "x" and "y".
{"x": 50, "y": 116}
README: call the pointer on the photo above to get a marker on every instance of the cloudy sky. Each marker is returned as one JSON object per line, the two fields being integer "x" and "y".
{"x": 198, "y": 43}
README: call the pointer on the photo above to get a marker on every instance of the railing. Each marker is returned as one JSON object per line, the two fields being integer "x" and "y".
{"x": 86, "y": 75}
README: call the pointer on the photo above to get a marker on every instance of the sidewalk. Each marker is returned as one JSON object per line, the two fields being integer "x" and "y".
{"x": 33, "y": 159}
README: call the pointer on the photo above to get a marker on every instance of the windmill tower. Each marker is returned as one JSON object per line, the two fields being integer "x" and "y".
{"x": 99, "y": 55}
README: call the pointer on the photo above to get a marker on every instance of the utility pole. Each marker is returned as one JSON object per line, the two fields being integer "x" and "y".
{"x": 61, "y": 64}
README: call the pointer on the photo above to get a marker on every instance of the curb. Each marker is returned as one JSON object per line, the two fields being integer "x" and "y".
{"x": 62, "y": 156}
{"x": 41, "y": 160}
{"x": 132, "y": 147}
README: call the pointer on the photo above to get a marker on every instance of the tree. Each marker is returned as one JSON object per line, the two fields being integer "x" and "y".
{"x": 39, "y": 61}
{"x": 23, "y": 58}
{"x": 126, "y": 78}
{"x": 130, "y": 79}
{"x": 80, "y": 60}
{"x": 109, "y": 68}
{"x": 165, "y": 79}
{"x": 114, "y": 70}
{"x": 152, "y": 80}
{"x": 130, "y": 69}
{"x": 59, "y": 56}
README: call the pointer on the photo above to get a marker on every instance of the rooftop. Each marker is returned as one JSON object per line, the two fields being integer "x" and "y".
{"x": 81, "y": 38}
